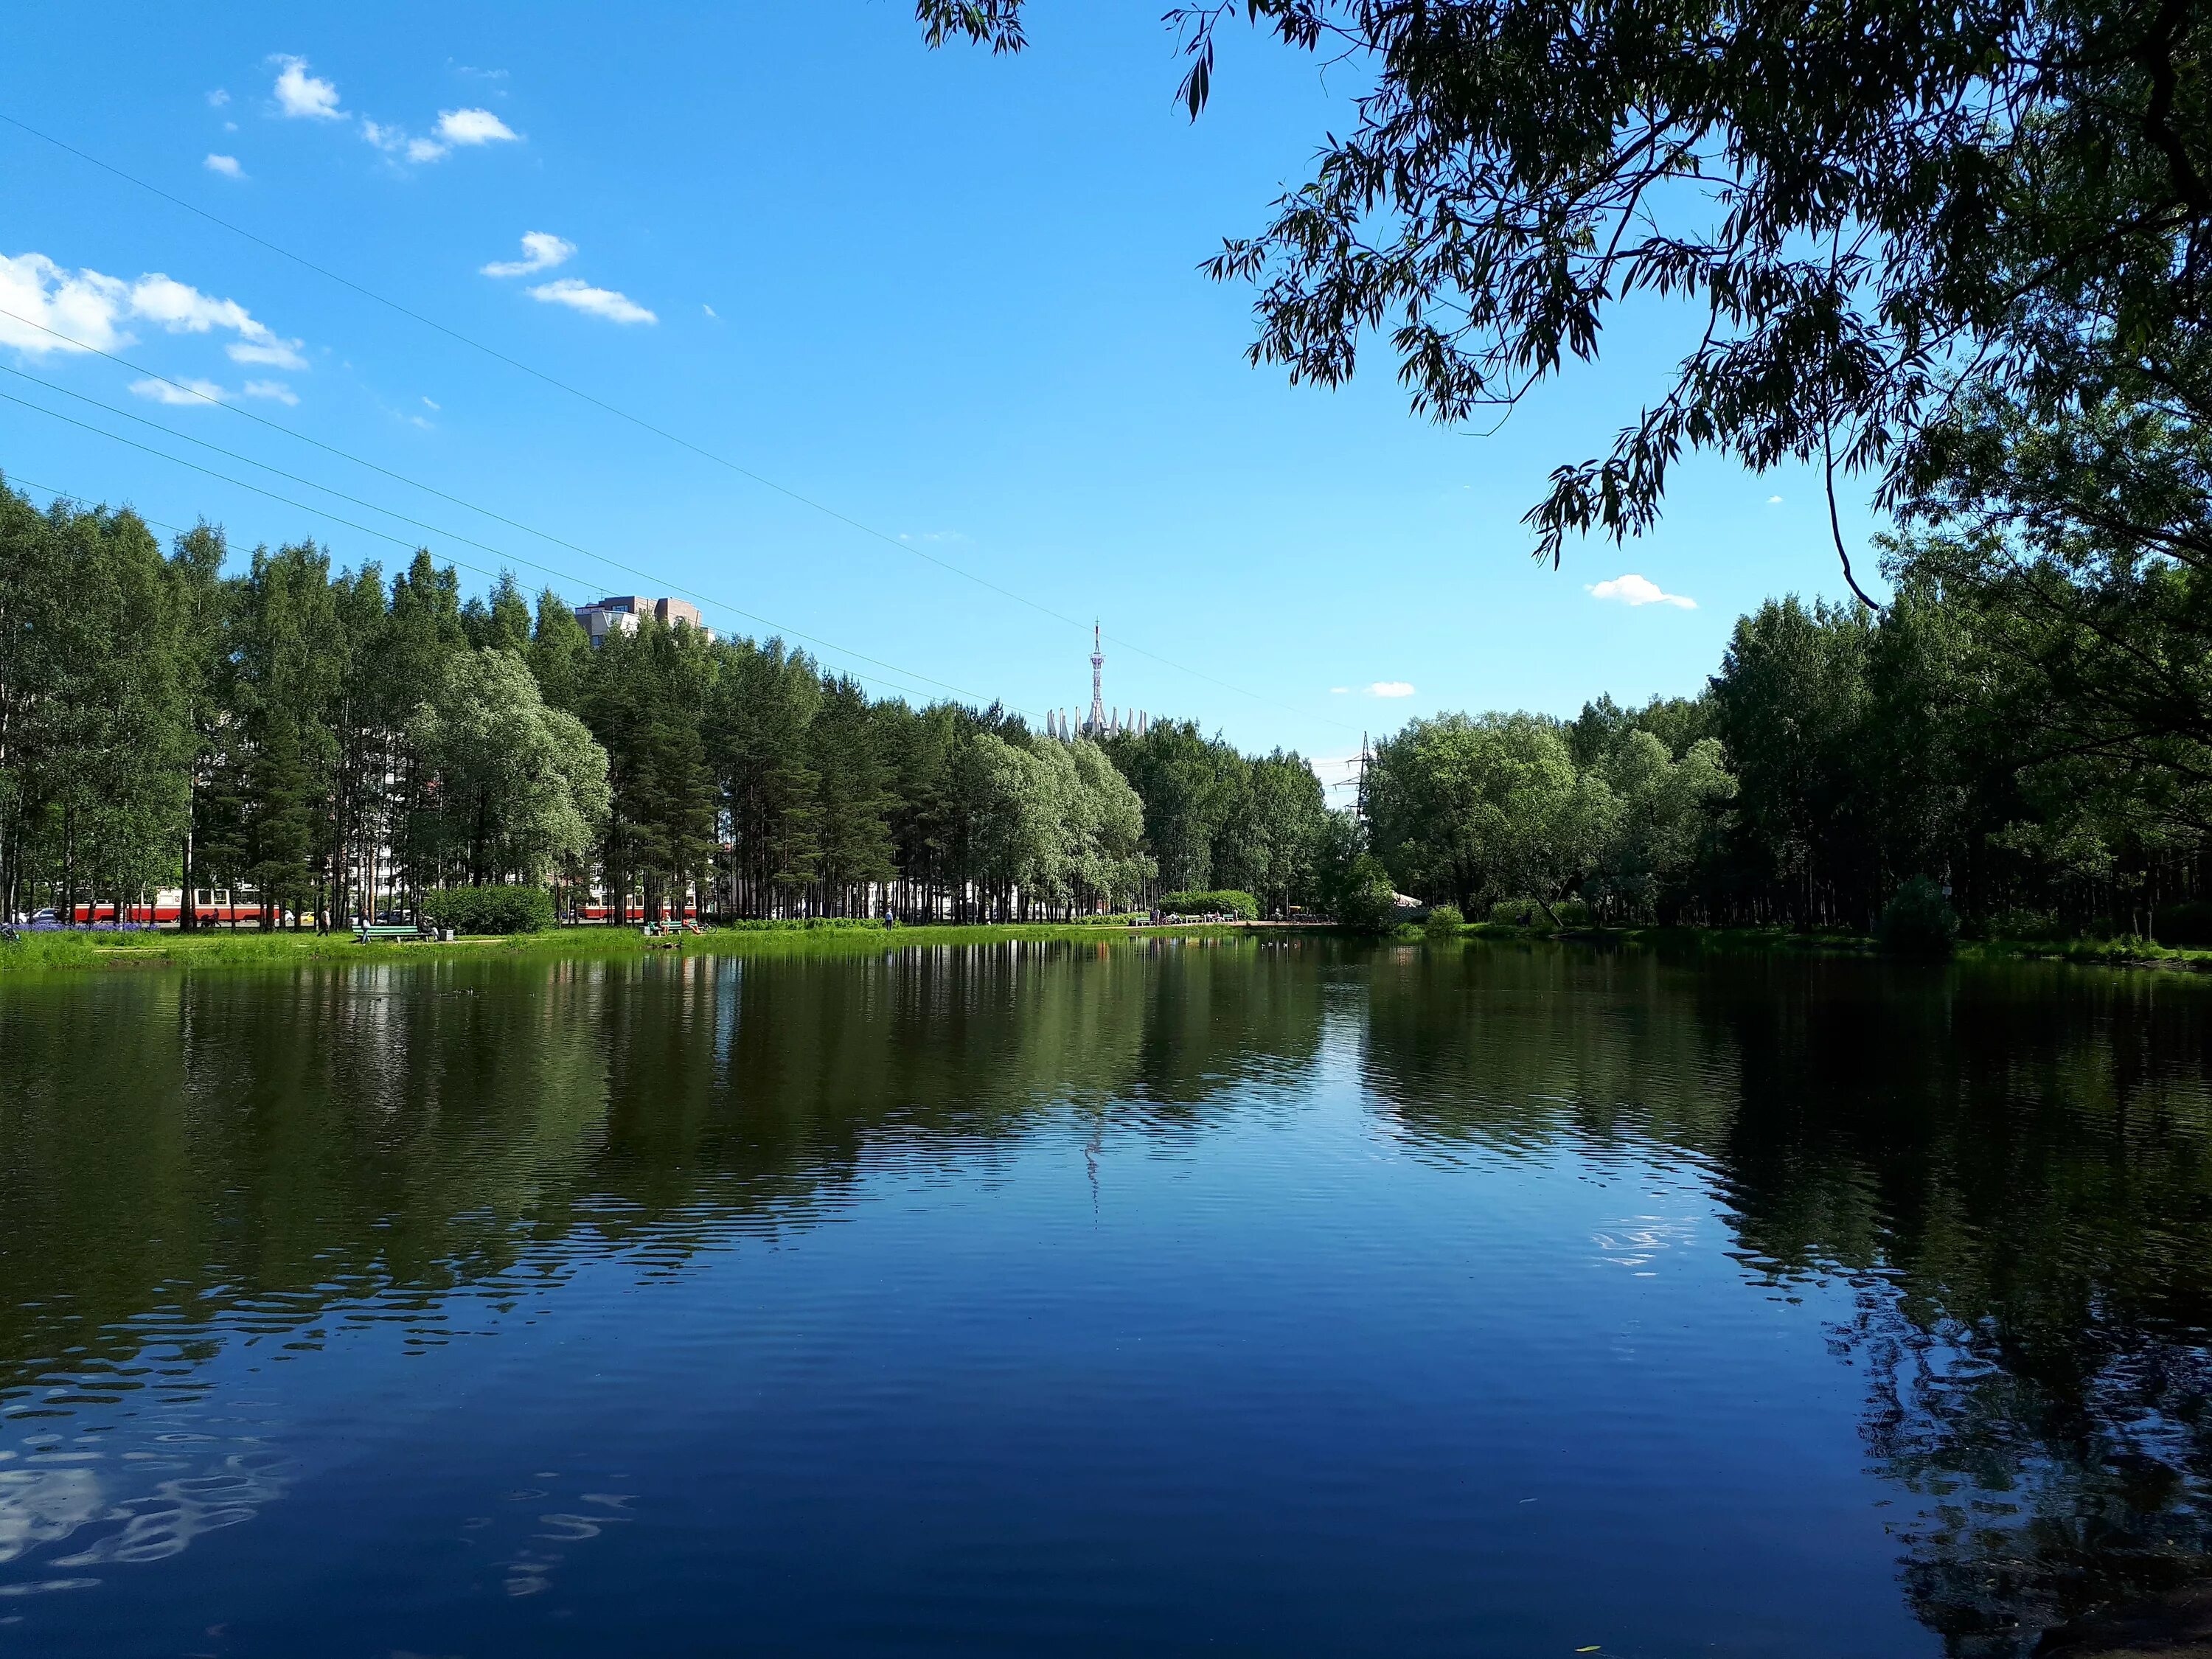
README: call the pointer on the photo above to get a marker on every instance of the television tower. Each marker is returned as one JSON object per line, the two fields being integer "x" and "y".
{"x": 1097, "y": 685}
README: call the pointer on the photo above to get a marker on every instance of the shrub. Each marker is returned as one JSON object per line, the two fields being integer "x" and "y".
{"x": 1572, "y": 912}
{"x": 1918, "y": 921}
{"x": 2034, "y": 926}
{"x": 1370, "y": 903}
{"x": 1226, "y": 901}
{"x": 1444, "y": 922}
{"x": 489, "y": 909}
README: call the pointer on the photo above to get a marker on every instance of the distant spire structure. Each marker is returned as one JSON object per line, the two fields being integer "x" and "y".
{"x": 1101, "y": 722}
{"x": 1097, "y": 684}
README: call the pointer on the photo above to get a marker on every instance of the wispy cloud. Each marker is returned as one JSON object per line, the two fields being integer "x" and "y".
{"x": 1391, "y": 689}
{"x": 605, "y": 302}
{"x": 303, "y": 96}
{"x": 226, "y": 165}
{"x": 217, "y": 99}
{"x": 541, "y": 250}
{"x": 1339, "y": 690}
{"x": 87, "y": 310}
{"x": 1774, "y": 500}
{"x": 267, "y": 353}
{"x": 427, "y": 404}
{"x": 395, "y": 142}
{"x": 274, "y": 390}
{"x": 1634, "y": 590}
{"x": 189, "y": 394}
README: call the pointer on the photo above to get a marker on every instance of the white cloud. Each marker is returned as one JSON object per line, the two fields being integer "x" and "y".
{"x": 474, "y": 126}
{"x": 709, "y": 310}
{"x": 1339, "y": 690}
{"x": 1634, "y": 590}
{"x": 1391, "y": 689}
{"x": 304, "y": 96}
{"x": 594, "y": 302}
{"x": 92, "y": 310}
{"x": 217, "y": 99}
{"x": 542, "y": 251}
{"x": 183, "y": 309}
{"x": 191, "y": 394}
{"x": 226, "y": 165}
{"x": 84, "y": 306}
{"x": 455, "y": 126}
{"x": 1774, "y": 500}
{"x": 276, "y": 391}
{"x": 427, "y": 403}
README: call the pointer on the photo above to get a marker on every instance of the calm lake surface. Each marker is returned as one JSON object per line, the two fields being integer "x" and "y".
{"x": 1264, "y": 1297}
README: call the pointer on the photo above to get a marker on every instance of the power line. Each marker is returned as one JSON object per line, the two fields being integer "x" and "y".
{"x": 454, "y": 535}
{"x": 366, "y": 530}
{"x": 298, "y": 436}
{"x": 639, "y": 421}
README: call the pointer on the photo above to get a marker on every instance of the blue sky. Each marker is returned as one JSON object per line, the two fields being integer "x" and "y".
{"x": 953, "y": 298}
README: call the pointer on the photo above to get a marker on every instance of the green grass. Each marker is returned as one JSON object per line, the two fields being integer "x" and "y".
{"x": 77, "y": 953}
{"x": 2113, "y": 952}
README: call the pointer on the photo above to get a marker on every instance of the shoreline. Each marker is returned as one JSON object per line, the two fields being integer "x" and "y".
{"x": 68, "y": 953}
{"x": 1744, "y": 941}
{"x": 61, "y": 953}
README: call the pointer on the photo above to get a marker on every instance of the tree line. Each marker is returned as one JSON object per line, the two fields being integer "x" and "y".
{"x": 334, "y": 742}
{"x": 2037, "y": 747}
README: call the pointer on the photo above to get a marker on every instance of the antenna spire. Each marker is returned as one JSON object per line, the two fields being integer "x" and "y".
{"x": 1097, "y": 721}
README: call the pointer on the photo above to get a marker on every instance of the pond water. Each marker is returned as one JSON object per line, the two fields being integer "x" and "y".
{"x": 1254, "y": 1297}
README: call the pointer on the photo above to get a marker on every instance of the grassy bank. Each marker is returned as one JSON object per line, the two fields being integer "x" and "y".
{"x": 60, "y": 953}
{"x": 2113, "y": 952}
{"x": 80, "y": 953}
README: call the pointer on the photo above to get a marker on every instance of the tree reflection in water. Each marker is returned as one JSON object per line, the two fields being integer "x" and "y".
{"x": 2010, "y": 1166}
{"x": 2008, "y": 1170}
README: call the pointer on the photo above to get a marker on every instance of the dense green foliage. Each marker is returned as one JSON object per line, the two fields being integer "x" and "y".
{"x": 2052, "y": 773}
{"x": 1444, "y": 922}
{"x": 1365, "y": 901}
{"x": 1918, "y": 921}
{"x": 326, "y": 743}
{"x": 1217, "y": 901}
{"x": 507, "y": 909}
{"x": 2029, "y": 725}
